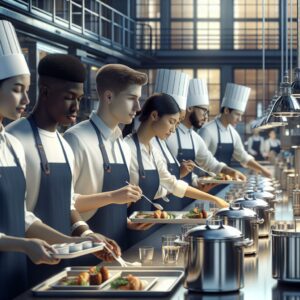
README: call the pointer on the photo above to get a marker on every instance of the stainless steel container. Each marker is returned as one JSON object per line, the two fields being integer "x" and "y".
{"x": 296, "y": 202}
{"x": 262, "y": 208}
{"x": 283, "y": 179}
{"x": 243, "y": 219}
{"x": 214, "y": 259}
{"x": 291, "y": 185}
{"x": 286, "y": 251}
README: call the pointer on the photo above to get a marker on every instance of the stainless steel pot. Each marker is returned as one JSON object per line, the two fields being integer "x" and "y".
{"x": 296, "y": 202}
{"x": 263, "y": 210}
{"x": 243, "y": 219}
{"x": 285, "y": 251}
{"x": 214, "y": 260}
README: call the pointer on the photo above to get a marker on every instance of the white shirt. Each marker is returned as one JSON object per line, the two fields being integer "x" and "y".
{"x": 270, "y": 143}
{"x": 7, "y": 160}
{"x": 203, "y": 157}
{"x": 209, "y": 133}
{"x": 152, "y": 160}
{"x": 252, "y": 139}
{"x": 21, "y": 129}
{"x": 88, "y": 170}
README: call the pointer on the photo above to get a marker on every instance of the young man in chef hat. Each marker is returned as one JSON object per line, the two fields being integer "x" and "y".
{"x": 220, "y": 134}
{"x": 186, "y": 144}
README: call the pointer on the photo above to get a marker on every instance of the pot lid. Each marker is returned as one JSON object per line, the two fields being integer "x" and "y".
{"x": 214, "y": 230}
{"x": 259, "y": 194}
{"x": 286, "y": 228}
{"x": 250, "y": 201}
{"x": 237, "y": 211}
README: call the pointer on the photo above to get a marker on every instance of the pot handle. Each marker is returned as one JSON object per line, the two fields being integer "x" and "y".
{"x": 245, "y": 243}
{"x": 270, "y": 210}
{"x": 181, "y": 243}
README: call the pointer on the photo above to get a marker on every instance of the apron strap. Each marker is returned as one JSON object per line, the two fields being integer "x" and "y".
{"x": 39, "y": 145}
{"x": 192, "y": 142}
{"x": 162, "y": 150}
{"x": 13, "y": 152}
{"x": 106, "y": 164}
{"x": 179, "y": 141}
{"x": 139, "y": 156}
{"x": 219, "y": 135}
{"x": 64, "y": 151}
{"x": 122, "y": 153}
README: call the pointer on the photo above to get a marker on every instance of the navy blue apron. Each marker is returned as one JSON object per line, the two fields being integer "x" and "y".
{"x": 223, "y": 154}
{"x": 276, "y": 149}
{"x": 176, "y": 203}
{"x": 185, "y": 154}
{"x": 13, "y": 267}
{"x": 256, "y": 147}
{"x": 111, "y": 220}
{"x": 54, "y": 202}
{"x": 149, "y": 184}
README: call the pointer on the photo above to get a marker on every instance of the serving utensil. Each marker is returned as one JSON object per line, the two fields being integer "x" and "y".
{"x": 156, "y": 205}
{"x": 212, "y": 174}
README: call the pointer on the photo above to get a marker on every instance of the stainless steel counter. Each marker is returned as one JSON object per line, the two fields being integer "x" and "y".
{"x": 259, "y": 284}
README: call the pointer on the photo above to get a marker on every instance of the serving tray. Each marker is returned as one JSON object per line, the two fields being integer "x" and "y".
{"x": 218, "y": 181}
{"x": 161, "y": 282}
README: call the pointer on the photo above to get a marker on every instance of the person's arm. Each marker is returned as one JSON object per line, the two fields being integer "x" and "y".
{"x": 254, "y": 165}
{"x": 237, "y": 175}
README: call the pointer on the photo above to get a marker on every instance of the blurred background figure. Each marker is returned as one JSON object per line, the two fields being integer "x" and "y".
{"x": 272, "y": 145}
{"x": 256, "y": 145}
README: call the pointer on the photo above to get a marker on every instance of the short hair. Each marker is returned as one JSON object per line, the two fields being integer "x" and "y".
{"x": 223, "y": 109}
{"x": 62, "y": 66}
{"x": 117, "y": 77}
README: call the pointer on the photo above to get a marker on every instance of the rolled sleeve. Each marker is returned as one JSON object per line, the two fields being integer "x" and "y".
{"x": 168, "y": 181}
{"x": 2, "y": 235}
{"x": 30, "y": 218}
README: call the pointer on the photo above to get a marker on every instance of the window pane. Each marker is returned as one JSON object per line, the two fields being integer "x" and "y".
{"x": 208, "y": 35}
{"x": 182, "y": 8}
{"x": 208, "y": 9}
{"x": 182, "y": 35}
{"x": 148, "y": 8}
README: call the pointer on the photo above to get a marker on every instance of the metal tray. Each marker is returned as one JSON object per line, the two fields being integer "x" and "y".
{"x": 179, "y": 218}
{"x": 79, "y": 253}
{"x": 218, "y": 181}
{"x": 162, "y": 282}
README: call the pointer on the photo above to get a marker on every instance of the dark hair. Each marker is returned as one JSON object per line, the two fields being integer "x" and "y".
{"x": 2, "y": 80}
{"x": 223, "y": 109}
{"x": 117, "y": 77}
{"x": 164, "y": 104}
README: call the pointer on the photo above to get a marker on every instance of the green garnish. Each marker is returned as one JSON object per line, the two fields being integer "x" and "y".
{"x": 118, "y": 282}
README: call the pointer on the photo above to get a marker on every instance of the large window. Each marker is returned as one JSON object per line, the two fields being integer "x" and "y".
{"x": 182, "y": 35}
{"x": 148, "y": 9}
{"x": 254, "y": 79}
{"x": 213, "y": 78}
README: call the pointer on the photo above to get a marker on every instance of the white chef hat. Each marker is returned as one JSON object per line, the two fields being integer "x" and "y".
{"x": 198, "y": 93}
{"x": 12, "y": 61}
{"x": 236, "y": 96}
{"x": 173, "y": 83}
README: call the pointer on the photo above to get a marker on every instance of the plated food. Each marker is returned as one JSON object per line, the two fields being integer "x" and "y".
{"x": 157, "y": 214}
{"x": 196, "y": 213}
{"x": 128, "y": 283}
{"x": 219, "y": 178}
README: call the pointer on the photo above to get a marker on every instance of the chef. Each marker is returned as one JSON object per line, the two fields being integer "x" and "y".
{"x": 159, "y": 117}
{"x": 102, "y": 159}
{"x": 256, "y": 145}
{"x": 186, "y": 144}
{"x": 221, "y": 137}
{"x": 14, "y": 85}
{"x": 272, "y": 145}
{"x": 175, "y": 84}
{"x": 49, "y": 158}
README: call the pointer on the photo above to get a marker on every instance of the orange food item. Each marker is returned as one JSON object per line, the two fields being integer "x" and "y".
{"x": 96, "y": 279}
{"x": 83, "y": 278}
{"x": 164, "y": 215}
{"x": 105, "y": 274}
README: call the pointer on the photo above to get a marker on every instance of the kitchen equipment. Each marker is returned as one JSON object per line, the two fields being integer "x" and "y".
{"x": 243, "y": 219}
{"x": 146, "y": 254}
{"x": 262, "y": 209}
{"x": 291, "y": 185}
{"x": 214, "y": 258}
{"x": 296, "y": 202}
{"x": 285, "y": 251}
{"x": 284, "y": 175}
{"x": 212, "y": 174}
{"x": 167, "y": 280}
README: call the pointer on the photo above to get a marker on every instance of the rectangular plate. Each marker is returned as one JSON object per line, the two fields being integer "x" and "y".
{"x": 179, "y": 218}
{"x": 163, "y": 282}
{"x": 56, "y": 285}
{"x": 212, "y": 180}
{"x": 79, "y": 253}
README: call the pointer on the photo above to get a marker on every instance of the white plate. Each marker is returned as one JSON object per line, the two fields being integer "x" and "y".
{"x": 179, "y": 218}
{"x": 99, "y": 247}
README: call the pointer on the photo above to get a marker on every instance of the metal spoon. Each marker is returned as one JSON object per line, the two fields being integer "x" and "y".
{"x": 208, "y": 172}
{"x": 156, "y": 205}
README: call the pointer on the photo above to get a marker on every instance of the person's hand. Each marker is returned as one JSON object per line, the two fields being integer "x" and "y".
{"x": 127, "y": 194}
{"x": 39, "y": 252}
{"x": 237, "y": 175}
{"x": 138, "y": 226}
{"x": 104, "y": 254}
{"x": 206, "y": 187}
{"x": 221, "y": 203}
{"x": 186, "y": 167}
{"x": 265, "y": 172}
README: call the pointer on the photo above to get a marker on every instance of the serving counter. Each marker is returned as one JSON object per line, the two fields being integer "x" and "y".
{"x": 259, "y": 283}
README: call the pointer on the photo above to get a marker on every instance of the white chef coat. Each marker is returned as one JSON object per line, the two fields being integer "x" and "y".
{"x": 7, "y": 160}
{"x": 252, "y": 139}
{"x": 88, "y": 170}
{"x": 203, "y": 157}
{"x": 152, "y": 160}
{"x": 21, "y": 129}
{"x": 270, "y": 143}
{"x": 209, "y": 133}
